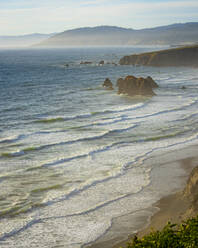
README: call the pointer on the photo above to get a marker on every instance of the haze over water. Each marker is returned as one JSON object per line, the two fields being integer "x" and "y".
{"x": 73, "y": 156}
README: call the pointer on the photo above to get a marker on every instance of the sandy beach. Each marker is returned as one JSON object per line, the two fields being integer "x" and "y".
{"x": 172, "y": 208}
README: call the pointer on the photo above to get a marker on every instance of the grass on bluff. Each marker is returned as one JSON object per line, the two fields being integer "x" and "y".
{"x": 172, "y": 236}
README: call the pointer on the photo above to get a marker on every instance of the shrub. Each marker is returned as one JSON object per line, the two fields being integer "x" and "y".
{"x": 172, "y": 236}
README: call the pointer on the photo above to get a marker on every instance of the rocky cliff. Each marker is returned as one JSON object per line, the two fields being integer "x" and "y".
{"x": 183, "y": 56}
{"x": 177, "y": 207}
{"x": 191, "y": 193}
{"x": 132, "y": 86}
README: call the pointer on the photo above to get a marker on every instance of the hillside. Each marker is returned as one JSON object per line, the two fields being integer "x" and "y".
{"x": 182, "y": 56}
{"x": 23, "y": 40}
{"x": 174, "y": 34}
{"x": 102, "y": 35}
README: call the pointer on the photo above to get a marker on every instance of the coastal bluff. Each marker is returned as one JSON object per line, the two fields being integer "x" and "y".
{"x": 177, "y": 207}
{"x": 191, "y": 194}
{"x": 182, "y": 56}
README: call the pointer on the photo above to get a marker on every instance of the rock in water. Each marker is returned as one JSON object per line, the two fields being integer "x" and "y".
{"x": 108, "y": 84}
{"x": 101, "y": 62}
{"x": 85, "y": 63}
{"x": 152, "y": 82}
{"x": 136, "y": 86}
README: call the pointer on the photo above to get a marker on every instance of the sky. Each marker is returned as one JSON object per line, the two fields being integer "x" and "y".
{"x": 18, "y": 17}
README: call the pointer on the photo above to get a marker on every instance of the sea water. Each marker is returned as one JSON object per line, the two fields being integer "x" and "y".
{"x": 74, "y": 156}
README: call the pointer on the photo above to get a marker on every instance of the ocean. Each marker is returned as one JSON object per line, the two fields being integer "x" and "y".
{"x": 74, "y": 157}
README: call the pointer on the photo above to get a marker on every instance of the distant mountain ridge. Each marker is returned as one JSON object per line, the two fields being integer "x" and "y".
{"x": 23, "y": 40}
{"x": 175, "y": 34}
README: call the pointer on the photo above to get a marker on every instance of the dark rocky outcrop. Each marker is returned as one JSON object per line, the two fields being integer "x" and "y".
{"x": 111, "y": 63}
{"x": 85, "y": 62}
{"x": 108, "y": 84}
{"x": 183, "y": 56}
{"x": 136, "y": 86}
{"x": 101, "y": 62}
{"x": 153, "y": 84}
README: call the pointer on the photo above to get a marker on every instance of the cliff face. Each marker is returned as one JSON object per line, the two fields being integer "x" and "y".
{"x": 176, "y": 207}
{"x": 184, "y": 56}
{"x": 191, "y": 193}
{"x": 191, "y": 189}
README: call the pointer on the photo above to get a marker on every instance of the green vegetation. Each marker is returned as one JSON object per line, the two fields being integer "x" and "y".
{"x": 172, "y": 236}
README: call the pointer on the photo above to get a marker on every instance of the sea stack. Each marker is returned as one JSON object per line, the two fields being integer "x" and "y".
{"x": 136, "y": 86}
{"x": 101, "y": 62}
{"x": 85, "y": 63}
{"x": 108, "y": 84}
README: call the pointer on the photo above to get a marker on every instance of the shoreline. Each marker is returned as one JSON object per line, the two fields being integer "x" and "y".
{"x": 167, "y": 211}
{"x": 171, "y": 207}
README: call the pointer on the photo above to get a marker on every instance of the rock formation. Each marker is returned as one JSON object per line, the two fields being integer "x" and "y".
{"x": 191, "y": 193}
{"x": 101, "y": 62}
{"x": 111, "y": 63}
{"x": 182, "y": 56}
{"x": 85, "y": 62}
{"x": 108, "y": 84}
{"x": 136, "y": 86}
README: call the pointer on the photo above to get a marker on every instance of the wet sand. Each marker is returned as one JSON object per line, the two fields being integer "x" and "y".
{"x": 169, "y": 208}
